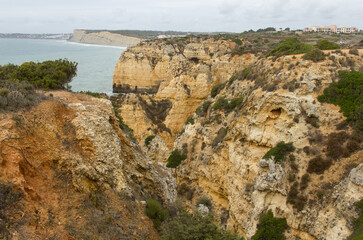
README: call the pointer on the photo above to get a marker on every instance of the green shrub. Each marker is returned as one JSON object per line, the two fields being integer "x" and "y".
{"x": 202, "y": 109}
{"x": 235, "y": 103}
{"x": 358, "y": 224}
{"x": 289, "y": 47}
{"x": 175, "y": 159}
{"x": 313, "y": 121}
{"x": 148, "y": 139}
{"x": 155, "y": 212}
{"x": 280, "y": 151}
{"x": 48, "y": 75}
{"x": 222, "y": 132}
{"x": 237, "y": 41}
{"x": 93, "y": 94}
{"x": 205, "y": 201}
{"x": 354, "y": 52}
{"x": 221, "y": 103}
{"x": 226, "y": 105}
{"x": 327, "y": 45}
{"x": 270, "y": 228}
{"x": 318, "y": 165}
{"x": 190, "y": 121}
{"x": 314, "y": 55}
{"x": 238, "y": 50}
{"x": 346, "y": 93}
{"x": 186, "y": 226}
{"x": 216, "y": 89}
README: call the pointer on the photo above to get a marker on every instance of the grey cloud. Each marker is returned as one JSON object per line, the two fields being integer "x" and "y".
{"x": 188, "y": 15}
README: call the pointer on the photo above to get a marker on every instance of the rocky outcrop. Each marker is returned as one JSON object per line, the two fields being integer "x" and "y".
{"x": 279, "y": 101}
{"x": 74, "y": 165}
{"x": 103, "y": 38}
{"x": 182, "y": 73}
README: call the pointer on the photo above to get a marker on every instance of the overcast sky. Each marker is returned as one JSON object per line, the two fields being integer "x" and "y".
{"x": 62, "y": 16}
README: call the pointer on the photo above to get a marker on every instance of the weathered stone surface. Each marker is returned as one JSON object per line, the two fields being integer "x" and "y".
{"x": 103, "y": 38}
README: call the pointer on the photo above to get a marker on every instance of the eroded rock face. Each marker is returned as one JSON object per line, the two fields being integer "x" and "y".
{"x": 103, "y": 38}
{"x": 232, "y": 172}
{"x": 63, "y": 153}
{"x": 183, "y": 74}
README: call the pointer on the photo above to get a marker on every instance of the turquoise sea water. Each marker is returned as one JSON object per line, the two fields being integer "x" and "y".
{"x": 95, "y": 63}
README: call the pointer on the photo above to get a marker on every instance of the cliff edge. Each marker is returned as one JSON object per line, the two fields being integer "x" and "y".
{"x": 103, "y": 38}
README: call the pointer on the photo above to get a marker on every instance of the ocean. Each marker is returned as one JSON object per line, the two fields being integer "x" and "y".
{"x": 95, "y": 63}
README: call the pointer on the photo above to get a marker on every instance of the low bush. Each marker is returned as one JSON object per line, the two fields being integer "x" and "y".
{"x": 217, "y": 89}
{"x": 335, "y": 144}
{"x": 313, "y": 121}
{"x": 148, "y": 139}
{"x": 315, "y": 55}
{"x": 304, "y": 181}
{"x": 222, "y": 132}
{"x": 346, "y": 93}
{"x": 15, "y": 95}
{"x": 155, "y": 212}
{"x": 354, "y": 52}
{"x": 318, "y": 165}
{"x": 296, "y": 199}
{"x": 289, "y": 47}
{"x": 190, "y": 121}
{"x": 237, "y": 41}
{"x": 238, "y": 50}
{"x": 175, "y": 159}
{"x": 205, "y": 201}
{"x": 202, "y": 109}
{"x": 93, "y": 94}
{"x": 228, "y": 105}
{"x": 186, "y": 226}
{"x": 270, "y": 228}
{"x": 358, "y": 224}
{"x": 327, "y": 45}
{"x": 280, "y": 151}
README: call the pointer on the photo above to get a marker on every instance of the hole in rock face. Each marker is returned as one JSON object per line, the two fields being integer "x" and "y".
{"x": 275, "y": 112}
{"x": 195, "y": 60}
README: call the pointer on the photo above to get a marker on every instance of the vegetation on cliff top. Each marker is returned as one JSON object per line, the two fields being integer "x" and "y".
{"x": 327, "y": 45}
{"x": 48, "y": 75}
{"x": 15, "y": 95}
{"x": 289, "y": 47}
{"x": 348, "y": 94}
{"x": 315, "y": 55}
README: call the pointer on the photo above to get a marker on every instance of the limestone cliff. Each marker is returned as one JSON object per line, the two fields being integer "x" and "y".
{"x": 179, "y": 75}
{"x": 80, "y": 176}
{"x": 103, "y": 38}
{"x": 275, "y": 99}
{"x": 225, "y": 150}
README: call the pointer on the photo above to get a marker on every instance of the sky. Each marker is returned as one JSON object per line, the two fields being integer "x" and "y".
{"x": 63, "y": 16}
